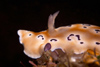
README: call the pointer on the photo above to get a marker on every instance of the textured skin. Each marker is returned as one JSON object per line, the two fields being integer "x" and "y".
{"x": 77, "y": 38}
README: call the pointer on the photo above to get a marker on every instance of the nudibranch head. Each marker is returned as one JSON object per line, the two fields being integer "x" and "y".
{"x": 32, "y": 42}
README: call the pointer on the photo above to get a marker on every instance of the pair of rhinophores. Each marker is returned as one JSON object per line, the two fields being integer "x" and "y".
{"x": 77, "y": 38}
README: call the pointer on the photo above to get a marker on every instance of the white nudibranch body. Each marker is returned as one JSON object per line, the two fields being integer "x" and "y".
{"x": 77, "y": 38}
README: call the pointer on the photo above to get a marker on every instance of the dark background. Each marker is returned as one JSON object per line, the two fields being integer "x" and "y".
{"x": 33, "y": 15}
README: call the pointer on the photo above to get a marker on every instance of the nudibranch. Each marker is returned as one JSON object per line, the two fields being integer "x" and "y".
{"x": 76, "y": 37}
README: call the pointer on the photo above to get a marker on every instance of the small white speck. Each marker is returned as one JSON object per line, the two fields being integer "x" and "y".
{"x": 73, "y": 59}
